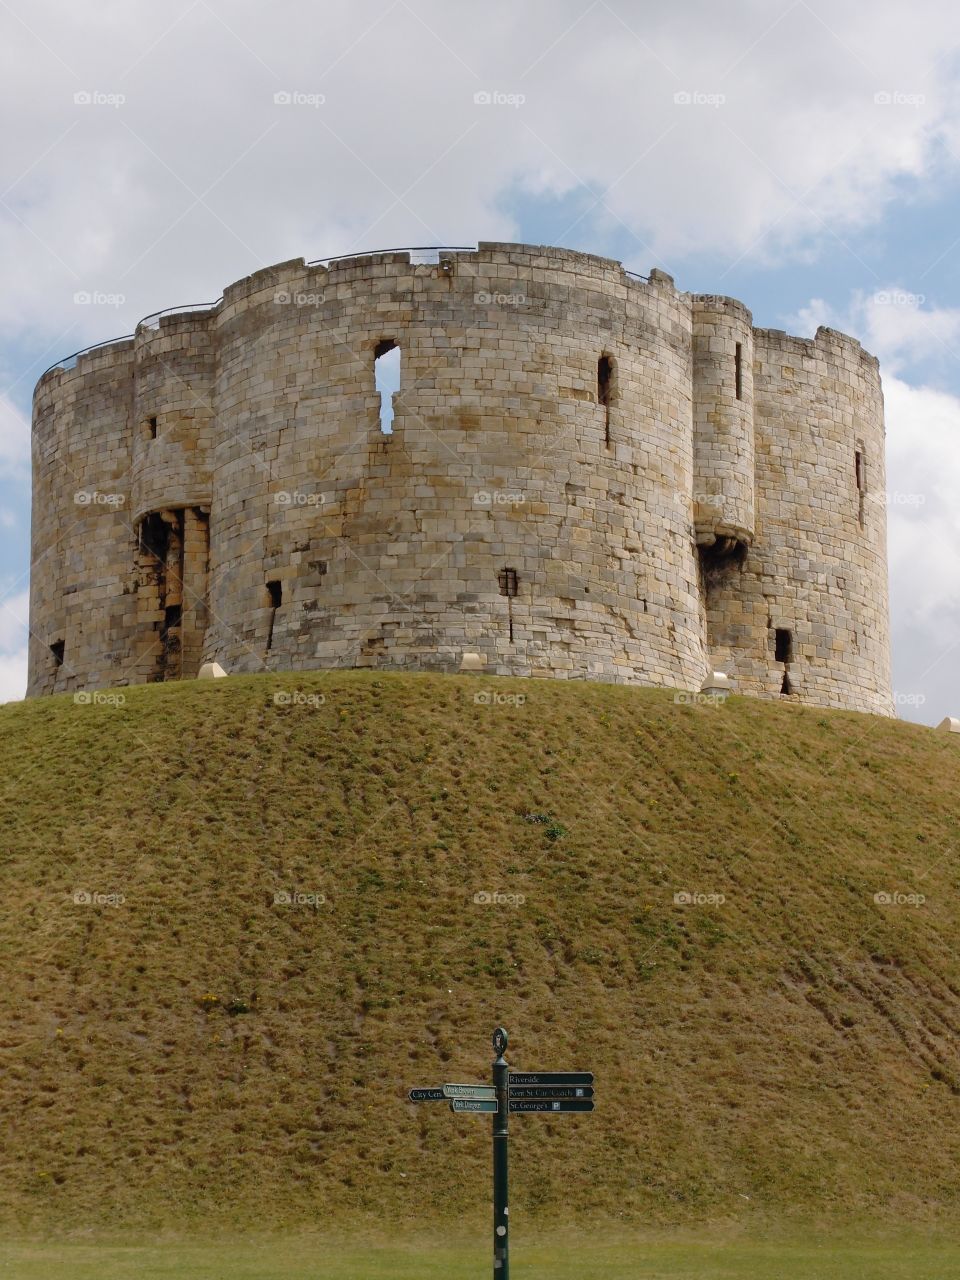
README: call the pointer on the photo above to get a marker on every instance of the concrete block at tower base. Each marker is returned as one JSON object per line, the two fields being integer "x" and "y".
{"x": 473, "y": 662}
{"x": 950, "y": 725}
{"x": 211, "y": 671}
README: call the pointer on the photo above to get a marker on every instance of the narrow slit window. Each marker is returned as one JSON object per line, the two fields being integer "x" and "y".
{"x": 738, "y": 370}
{"x": 386, "y": 365}
{"x": 275, "y": 599}
{"x": 508, "y": 581}
{"x": 57, "y": 649}
{"x": 605, "y": 391}
{"x": 509, "y": 584}
{"x": 783, "y": 645}
{"x": 151, "y": 428}
{"x": 860, "y": 467}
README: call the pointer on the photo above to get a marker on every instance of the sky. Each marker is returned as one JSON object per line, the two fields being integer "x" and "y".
{"x": 802, "y": 157}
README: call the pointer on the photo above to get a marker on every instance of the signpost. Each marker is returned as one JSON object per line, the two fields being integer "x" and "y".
{"x": 546, "y": 1092}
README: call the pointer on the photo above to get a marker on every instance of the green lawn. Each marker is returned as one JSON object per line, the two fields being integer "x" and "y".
{"x": 302, "y": 1257}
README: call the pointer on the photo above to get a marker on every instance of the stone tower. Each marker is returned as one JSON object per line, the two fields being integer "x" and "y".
{"x": 590, "y": 475}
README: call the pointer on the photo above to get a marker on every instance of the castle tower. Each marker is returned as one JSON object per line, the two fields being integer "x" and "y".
{"x": 589, "y": 475}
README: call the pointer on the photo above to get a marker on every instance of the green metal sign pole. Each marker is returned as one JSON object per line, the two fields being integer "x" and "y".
{"x": 501, "y": 1209}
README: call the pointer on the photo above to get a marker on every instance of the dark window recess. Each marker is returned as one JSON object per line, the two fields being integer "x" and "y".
{"x": 172, "y": 617}
{"x": 57, "y": 649}
{"x": 738, "y": 368}
{"x": 860, "y": 468}
{"x": 275, "y": 594}
{"x": 783, "y": 647}
{"x": 786, "y": 687}
{"x": 152, "y": 428}
{"x": 509, "y": 583}
{"x": 507, "y": 578}
{"x": 605, "y": 391}
{"x": 386, "y": 372}
{"x": 155, "y": 536}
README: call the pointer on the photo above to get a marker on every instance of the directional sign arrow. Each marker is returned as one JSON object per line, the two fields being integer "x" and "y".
{"x": 550, "y": 1077}
{"x": 557, "y": 1092}
{"x": 563, "y": 1104}
{"x": 469, "y": 1091}
{"x": 474, "y": 1104}
{"x": 426, "y": 1095}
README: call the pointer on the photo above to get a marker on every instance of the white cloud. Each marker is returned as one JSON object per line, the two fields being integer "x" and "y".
{"x": 198, "y": 176}
{"x": 14, "y": 441}
{"x": 13, "y": 675}
{"x": 14, "y": 611}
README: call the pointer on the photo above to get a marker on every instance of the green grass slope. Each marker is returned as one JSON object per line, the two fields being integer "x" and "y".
{"x": 202, "y": 1053}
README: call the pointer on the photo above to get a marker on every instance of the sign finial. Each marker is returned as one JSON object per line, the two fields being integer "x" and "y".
{"x": 500, "y": 1041}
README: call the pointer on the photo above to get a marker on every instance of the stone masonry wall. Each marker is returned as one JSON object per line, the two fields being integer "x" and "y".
{"x": 583, "y": 480}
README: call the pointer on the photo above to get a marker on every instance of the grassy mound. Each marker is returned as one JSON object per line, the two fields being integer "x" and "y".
{"x": 187, "y": 1046}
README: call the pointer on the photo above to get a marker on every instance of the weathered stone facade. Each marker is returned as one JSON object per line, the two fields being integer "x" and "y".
{"x": 590, "y": 476}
